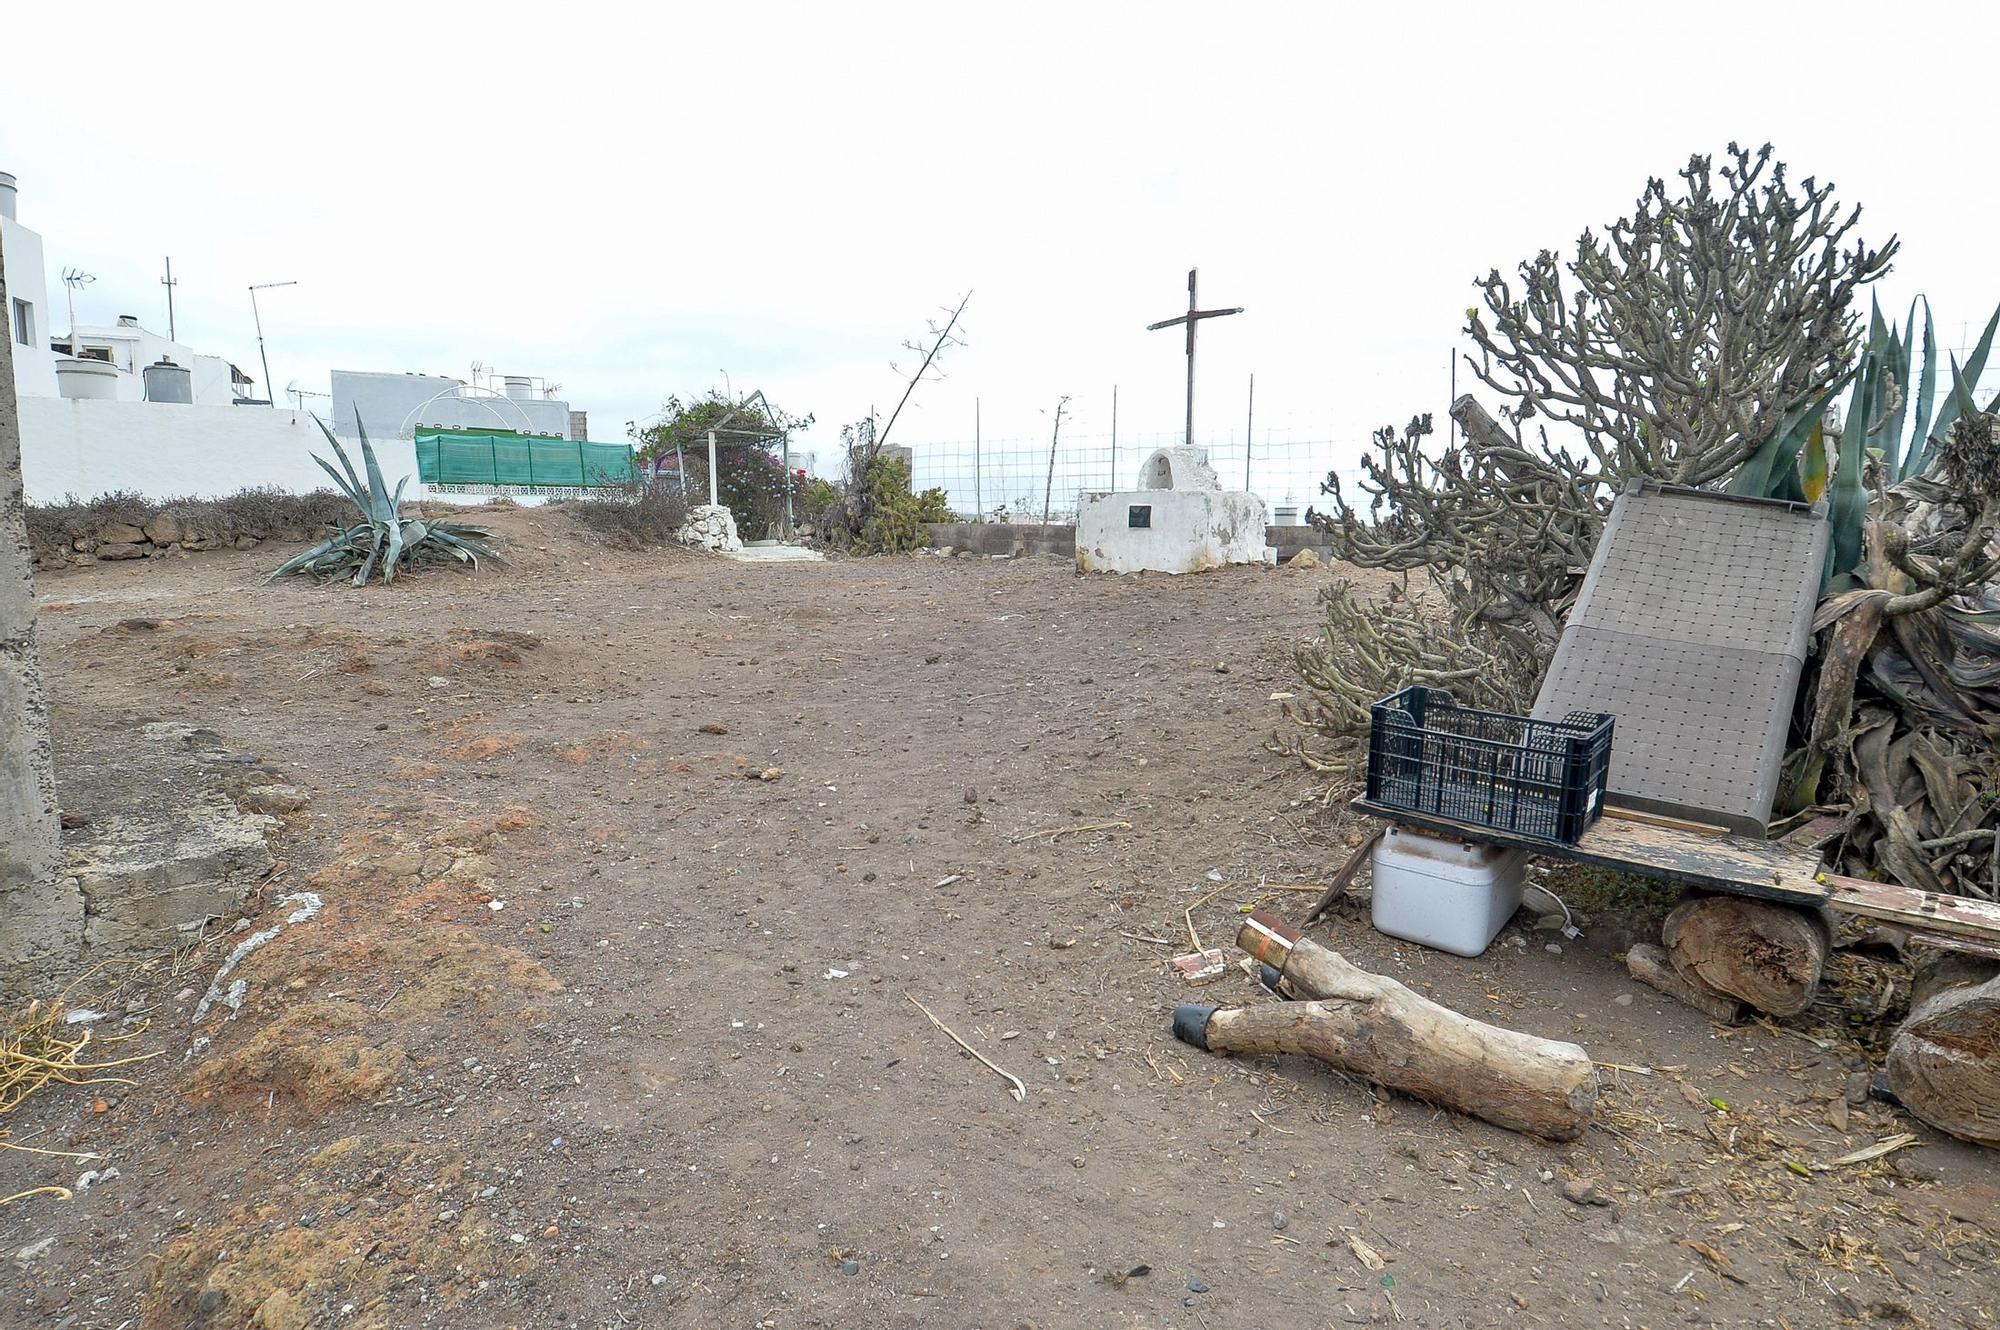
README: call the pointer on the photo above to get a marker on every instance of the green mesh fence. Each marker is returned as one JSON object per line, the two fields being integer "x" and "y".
{"x": 462, "y": 457}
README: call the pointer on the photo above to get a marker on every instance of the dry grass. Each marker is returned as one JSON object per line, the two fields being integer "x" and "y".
{"x": 39, "y": 1047}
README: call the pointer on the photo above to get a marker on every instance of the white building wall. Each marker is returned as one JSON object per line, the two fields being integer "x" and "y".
{"x": 1189, "y": 531}
{"x": 212, "y": 383}
{"x": 27, "y": 280}
{"x": 163, "y": 450}
{"x": 391, "y": 404}
{"x": 134, "y": 348}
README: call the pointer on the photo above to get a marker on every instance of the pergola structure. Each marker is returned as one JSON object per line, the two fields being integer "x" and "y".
{"x": 752, "y": 422}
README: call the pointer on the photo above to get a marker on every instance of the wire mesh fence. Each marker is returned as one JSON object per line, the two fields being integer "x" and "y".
{"x": 1017, "y": 479}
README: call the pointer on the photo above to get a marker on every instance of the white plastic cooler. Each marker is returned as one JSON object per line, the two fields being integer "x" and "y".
{"x": 1445, "y": 894}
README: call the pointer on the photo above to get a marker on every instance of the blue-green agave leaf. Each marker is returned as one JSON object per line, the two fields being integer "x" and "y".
{"x": 1917, "y": 456}
{"x": 1975, "y": 365}
{"x": 1762, "y": 475}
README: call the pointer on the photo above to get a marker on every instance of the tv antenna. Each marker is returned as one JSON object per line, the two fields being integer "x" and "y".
{"x": 75, "y": 279}
{"x": 169, "y": 282}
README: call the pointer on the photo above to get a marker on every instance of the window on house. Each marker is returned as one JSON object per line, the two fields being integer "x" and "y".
{"x": 24, "y": 323}
{"x": 102, "y": 353}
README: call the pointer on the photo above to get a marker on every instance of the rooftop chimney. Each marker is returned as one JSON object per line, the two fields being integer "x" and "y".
{"x": 7, "y": 196}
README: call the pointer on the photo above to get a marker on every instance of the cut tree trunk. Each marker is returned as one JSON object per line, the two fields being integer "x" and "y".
{"x": 1373, "y": 1026}
{"x": 1944, "y": 1062}
{"x": 1651, "y": 965}
{"x": 1767, "y": 954}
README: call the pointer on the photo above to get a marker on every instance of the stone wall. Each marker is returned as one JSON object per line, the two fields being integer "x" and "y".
{"x": 1019, "y": 538}
{"x": 160, "y": 536}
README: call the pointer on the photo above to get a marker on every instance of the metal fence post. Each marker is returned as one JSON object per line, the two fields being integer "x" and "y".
{"x": 1249, "y": 418}
{"x": 1114, "y": 436}
{"x": 978, "y": 495}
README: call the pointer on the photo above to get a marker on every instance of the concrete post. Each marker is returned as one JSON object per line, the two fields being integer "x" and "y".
{"x": 711, "y": 469}
{"x": 41, "y": 911}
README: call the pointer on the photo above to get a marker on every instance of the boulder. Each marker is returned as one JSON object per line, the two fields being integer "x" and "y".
{"x": 84, "y": 544}
{"x": 120, "y": 533}
{"x": 246, "y": 542}
{"x": 165, "y": 529}
{"x": 1303, "y": 559}
{"x": 123, "y": 550}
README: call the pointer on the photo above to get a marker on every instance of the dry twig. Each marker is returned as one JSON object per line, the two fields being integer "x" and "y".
{"x": 1020, "y": 1091}
{"x": 1056, "y": 833}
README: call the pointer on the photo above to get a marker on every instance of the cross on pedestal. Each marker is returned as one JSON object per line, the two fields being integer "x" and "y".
{"x": 1191, "y": 318}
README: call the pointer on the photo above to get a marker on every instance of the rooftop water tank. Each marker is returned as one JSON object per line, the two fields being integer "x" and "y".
{"x": 7, "y": 196}
{"x": 87, "y": 380}
{"x": 168, "y": 382}
{"x": 519, "y": 388}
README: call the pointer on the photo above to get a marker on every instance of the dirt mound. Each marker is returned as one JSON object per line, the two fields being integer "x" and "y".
{"x": 329, "y": 1243}
{"x": 320, "y": 1053}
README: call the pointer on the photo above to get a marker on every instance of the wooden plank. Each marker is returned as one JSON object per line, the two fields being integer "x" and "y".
{"x": 1662, "y": 820}
{"x": 1922, "y": 912}
{"x": 1343, "y": 877}
{"x": 1969, "y": 945}
{"x": 1763, "y": 869}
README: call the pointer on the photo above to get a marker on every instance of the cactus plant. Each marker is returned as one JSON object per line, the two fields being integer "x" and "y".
{"x": 383, "y": 541}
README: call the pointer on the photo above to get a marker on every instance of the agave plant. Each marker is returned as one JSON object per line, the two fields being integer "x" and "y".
{"x": 383, "y": 540}
{"x": 1793, "y": 462}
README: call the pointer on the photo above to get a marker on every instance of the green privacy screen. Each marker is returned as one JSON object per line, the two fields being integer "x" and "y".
{"x": 500, "y": 457}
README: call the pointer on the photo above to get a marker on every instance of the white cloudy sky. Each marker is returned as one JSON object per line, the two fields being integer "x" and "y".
{"x": 632, "y": 199}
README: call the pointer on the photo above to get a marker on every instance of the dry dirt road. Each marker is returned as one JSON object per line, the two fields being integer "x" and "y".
{"x": 599, "y": 1027}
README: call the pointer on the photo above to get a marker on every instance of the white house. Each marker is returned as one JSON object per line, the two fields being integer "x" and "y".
{"x": 391, "y": 406}
{"x": 27, "y": 312}
{"x": 122, "y": 408}
{"x": 131, "y": 349}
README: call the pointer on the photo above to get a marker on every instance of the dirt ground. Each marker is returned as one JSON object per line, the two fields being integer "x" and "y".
{"x": 632, "y": 867}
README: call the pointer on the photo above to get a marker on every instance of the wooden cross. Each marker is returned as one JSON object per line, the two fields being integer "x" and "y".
{"x": 1191, "y": 318}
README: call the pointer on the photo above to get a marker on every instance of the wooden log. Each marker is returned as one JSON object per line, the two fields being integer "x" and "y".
{"x": 1372, "y": 1026}
{"x": 1651, "y": 965}
{"x": 1767, "y": 954}
{"x": 1944, "y": 1061}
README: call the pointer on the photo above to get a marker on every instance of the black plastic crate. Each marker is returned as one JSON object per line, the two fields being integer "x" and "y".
{"x": 1539, "y": 778}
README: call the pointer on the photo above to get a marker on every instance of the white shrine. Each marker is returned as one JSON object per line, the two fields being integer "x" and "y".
{"x": 1179, "y": 520}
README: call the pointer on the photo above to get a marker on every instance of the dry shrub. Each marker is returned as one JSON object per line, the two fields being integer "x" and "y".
{"x": 634, "y": 517}
{"x": 54, "y": 527}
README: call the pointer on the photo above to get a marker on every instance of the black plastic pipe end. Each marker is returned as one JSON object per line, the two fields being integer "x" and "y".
{"x": 1191, "y": 1023}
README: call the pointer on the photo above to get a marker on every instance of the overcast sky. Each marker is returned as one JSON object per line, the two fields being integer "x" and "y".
{"x": 631, "y": 199}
